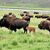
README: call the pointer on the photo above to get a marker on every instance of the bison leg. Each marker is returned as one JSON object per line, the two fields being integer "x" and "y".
{"x": 15, "y": 30}
{"x": 25, "y": 30}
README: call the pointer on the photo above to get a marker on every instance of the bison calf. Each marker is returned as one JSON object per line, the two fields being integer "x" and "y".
{"x": 30, "y": 29}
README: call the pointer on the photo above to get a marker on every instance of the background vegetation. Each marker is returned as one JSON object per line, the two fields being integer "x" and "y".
{"x": 25, "y": 4}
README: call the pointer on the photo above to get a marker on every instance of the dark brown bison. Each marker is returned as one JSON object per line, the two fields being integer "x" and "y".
{"x": 25, "y": 12}
{"x": 9, "y": 17}
{"x": 10, "y": 13}
{"x": 38, "y": 16}
{"x": 13, "y": 23}
{"x": 26, "y": 18}
{"x": 48, "y": 18}
{"x": 18, "y": 24}
{"x": 31, "y": 16}
{"x": 44, "y": 25}
{"x": 45, "y": 16}
{"x": 36, "y": 12}
{"x": 21, "y": 14}
{"x": 41, "y": 16}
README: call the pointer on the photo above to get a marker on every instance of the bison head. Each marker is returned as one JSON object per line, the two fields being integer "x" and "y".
{"x": 43, "y": 25}
{"x": 4, "y": 23}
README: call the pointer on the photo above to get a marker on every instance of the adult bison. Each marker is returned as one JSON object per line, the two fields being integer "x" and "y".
{"x": 48, "y": 18}
{"x": 21, "y": 14}
{"x": 4, "y": 23}
{"x": 26, "y": 18}
{"x": 24, "y": 13}
{"x": 38, "y": 16}
{"x": 36, "y": 12}
{"x": 30, "y": 15}
{"x": 45, "y": 16}
{"x": 44, "y": 25}
{"x": 41, "y": 16}
{"x": 13, "y": 24}
{"x": 9, "y": 16}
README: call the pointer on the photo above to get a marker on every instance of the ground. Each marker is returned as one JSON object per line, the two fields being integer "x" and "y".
{"x": 40, "y": 40}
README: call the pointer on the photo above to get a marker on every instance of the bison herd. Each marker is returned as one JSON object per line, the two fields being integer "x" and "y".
{"x": 13, "y": 23}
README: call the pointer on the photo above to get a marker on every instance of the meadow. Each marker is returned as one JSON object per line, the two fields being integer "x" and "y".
{"x": 40, "y": 40}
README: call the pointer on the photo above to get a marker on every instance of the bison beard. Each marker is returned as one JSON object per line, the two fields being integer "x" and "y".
{"x": 16, "y": 24}
{"x": 44, "y": 25}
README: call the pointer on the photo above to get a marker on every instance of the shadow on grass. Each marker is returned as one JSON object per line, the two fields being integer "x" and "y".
{"x": 14, "y": 43}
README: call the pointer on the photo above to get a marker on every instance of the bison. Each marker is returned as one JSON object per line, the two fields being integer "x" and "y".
{"x": 48, "y": 18}
{"x": 45, "y": 16}
{"x": 30, "y": 29}
{"x": 26, "y": 18}
{"x": 36, "y": 12}
{"x": 4, "y": 23}
{"x": 13, "y": 23}
{"x": 29, "y": 15}
{"x": 25, "y": 12}
{"x": 21, "y": 14}
{"x": 41, "y": 16}
{"x": 44, "y": 25}
{"x": 9, "y": 17}
{"x": 18, "y": 24}
{"x": 38, "y": 16}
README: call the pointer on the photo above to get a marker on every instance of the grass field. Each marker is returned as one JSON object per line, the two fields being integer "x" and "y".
{"x": 26, "y": 3}
{"x": 23, "y": 7}
{"x": 40, "y": 40}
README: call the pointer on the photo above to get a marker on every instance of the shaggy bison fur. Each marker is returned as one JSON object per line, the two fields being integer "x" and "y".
{"x": 44, "y": 25}
{"x": 13, "y": 23}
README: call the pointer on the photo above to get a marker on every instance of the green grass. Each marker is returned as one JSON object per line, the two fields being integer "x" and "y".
{"x": 40, "y": 40}
{"x": 25, "y": 6}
